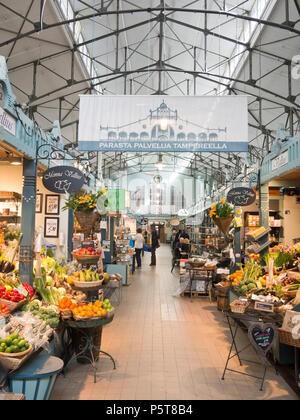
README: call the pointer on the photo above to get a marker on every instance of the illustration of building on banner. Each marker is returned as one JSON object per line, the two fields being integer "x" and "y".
{"x": 161, "y": 125}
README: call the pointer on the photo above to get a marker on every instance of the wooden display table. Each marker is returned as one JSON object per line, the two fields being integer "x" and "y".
{"x": 193, "y": 270}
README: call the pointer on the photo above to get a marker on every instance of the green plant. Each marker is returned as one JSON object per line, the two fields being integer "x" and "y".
{"x": 85, "y": 203}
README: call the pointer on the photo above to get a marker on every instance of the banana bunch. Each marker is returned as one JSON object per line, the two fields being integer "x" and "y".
{"x": 86, "y": 276}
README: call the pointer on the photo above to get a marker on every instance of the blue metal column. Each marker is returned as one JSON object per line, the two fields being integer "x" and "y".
{"x": 28, "y": 221}
{"x": 70, "y": 233}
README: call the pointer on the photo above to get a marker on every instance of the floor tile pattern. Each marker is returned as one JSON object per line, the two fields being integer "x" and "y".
{"x": 167, "y": 348}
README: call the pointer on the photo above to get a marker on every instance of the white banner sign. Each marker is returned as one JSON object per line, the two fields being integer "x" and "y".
{"x": 163, "y": 123}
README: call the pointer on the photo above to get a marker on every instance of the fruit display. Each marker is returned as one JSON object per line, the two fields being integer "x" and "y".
{"x": 107, "y": 305}
{"x": 236, "y": 277}
{"x": 91, "y": 310}
{"x": 4, "y": 310}
{"x": 67, "y": 304}
{"x": 87, "y": 252}
{"x": 86, "y": 276}
{"x": 13, "y": 344}
{"x": 11, "y": 295}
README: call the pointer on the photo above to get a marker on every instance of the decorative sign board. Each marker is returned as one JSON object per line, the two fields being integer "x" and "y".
{"x": 63, "y": 179}
{"x": 163, "y": 124}
{"x": 7, "y": 122}
{"x": 263, "y": 306}
{"x": 242, "y": 197}
{"x": 280, "y": 161}
{"x": 262, "y": 337}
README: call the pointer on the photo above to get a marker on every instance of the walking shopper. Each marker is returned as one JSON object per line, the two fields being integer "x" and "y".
{"x": 139, "y": 245}
{"x": 154, "y": 246}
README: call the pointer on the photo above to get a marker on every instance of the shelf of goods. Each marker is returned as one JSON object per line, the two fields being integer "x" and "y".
{"x": 252, "y": 222}
{"x": 10, "y": 207}
{"x": 259, "y": 240}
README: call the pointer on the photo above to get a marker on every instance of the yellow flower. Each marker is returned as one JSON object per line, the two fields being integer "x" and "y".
{"x": 223, "y": 201}
{"x": 239, "y": 211}
{"x": 103, "y": 190}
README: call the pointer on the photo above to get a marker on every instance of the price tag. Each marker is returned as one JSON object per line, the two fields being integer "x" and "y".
{"x": 23, "y": 291}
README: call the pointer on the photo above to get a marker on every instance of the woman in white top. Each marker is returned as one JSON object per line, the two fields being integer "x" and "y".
{"x": 139, "y": 245}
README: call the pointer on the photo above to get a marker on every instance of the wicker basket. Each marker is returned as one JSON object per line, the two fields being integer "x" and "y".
{"x": 12, "y": 306}
{"x": 285, "y": 337}
{"x": 292, "y": 293}
{"x": 17, "y": 355}
{"x": 87, "y": 284}
{"x": 87, "y": 221}
{"x": 197, "y": 264}
{"x": 86, "y": 259}
{"x": 294, "y": 275}
{"x": 239, "y": 309}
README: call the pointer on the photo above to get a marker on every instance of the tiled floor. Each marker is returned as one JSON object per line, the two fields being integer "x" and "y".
{"x": 166, "y": 348}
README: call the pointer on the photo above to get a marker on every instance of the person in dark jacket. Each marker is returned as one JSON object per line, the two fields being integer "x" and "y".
{"x": 154, "y": 246}
{"x": 184, "y": 235}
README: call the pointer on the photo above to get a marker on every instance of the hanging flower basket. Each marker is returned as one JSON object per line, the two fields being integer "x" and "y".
{"x": 222, "y": 213}
{"x": 224, "y": 224}
{"x": 87, "y": 221}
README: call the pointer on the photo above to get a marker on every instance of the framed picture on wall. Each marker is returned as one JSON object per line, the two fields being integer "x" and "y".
{"x": 52, "y": 204}
{"x": 51, "y": 228}
{"x": 39, "y": 203}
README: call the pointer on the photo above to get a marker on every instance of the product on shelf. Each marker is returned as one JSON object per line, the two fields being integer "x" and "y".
{"x": 254, "y": 234}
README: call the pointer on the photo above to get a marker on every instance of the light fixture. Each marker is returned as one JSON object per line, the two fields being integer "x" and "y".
{"x": 15, "y": 161}
{"x": 164, "y": 123}
{"x": 160, "y": 164}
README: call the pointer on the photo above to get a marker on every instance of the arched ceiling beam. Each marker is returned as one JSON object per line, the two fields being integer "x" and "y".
{"x": 161, "y": 10}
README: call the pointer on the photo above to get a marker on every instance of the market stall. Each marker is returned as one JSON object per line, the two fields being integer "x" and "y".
{"x": 268, "y": 286}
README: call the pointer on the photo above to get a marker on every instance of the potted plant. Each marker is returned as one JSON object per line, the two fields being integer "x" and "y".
{"x": 84, "y": 207}
{"x": 222, "y": 214}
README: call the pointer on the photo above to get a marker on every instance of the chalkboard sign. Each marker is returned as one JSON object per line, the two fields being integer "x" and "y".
{"x": 241, "y": 197}
{"x": 262, "y": 336}
{"x": 63, "y": 179}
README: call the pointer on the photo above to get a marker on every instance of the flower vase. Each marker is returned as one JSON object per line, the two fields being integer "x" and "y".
{"x": 224, "y": 224}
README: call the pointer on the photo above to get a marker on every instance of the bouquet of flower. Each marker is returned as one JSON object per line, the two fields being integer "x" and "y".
{"x": 85, "y": 203}
{"x": 222, "y": 214}
{"x": 222, "y": 210}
